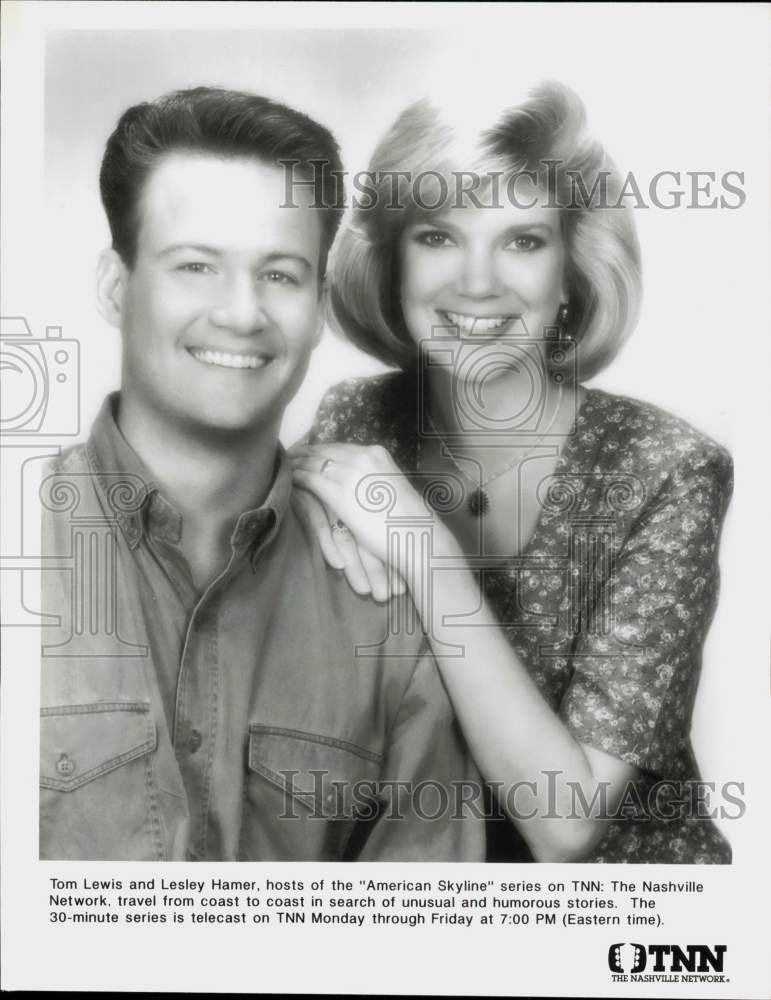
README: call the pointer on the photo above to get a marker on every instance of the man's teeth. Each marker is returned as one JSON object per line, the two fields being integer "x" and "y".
{"x": 478, "y": 324}
{"x": 225, "y": 360}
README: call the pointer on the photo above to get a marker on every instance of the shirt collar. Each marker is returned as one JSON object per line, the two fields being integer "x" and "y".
{"x": 135, "y": 499}
{"x": 125, "y": 481}
{"x": 259, "y": 526}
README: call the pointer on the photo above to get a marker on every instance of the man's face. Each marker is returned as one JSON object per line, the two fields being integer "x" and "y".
{"x": 221, "y": 311}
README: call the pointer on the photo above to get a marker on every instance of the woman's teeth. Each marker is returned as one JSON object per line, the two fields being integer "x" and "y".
{"x": 478, "y": 324}
{"x": 225, "y": 360}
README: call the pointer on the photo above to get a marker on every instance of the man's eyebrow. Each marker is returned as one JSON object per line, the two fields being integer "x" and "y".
{"x": 197, "y": 247}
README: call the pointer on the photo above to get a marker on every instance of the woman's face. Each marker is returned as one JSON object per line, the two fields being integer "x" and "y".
{"x": 489, "y": 277}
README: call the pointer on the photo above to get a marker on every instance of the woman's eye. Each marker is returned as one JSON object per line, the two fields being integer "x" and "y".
{"x": 526, "y": 243}
{"x": 280, "y": 278}
{"x": 434, "y": 238}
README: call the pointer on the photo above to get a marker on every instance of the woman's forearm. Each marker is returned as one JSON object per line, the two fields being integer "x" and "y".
{"x": 512, "y": 732}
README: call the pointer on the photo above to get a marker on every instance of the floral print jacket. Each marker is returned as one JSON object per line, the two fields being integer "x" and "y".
{"x": 609, "y": 603}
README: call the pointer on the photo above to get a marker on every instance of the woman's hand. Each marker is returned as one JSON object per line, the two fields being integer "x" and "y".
{"x": 364, "y": 572}
{"x": 339, "y": 476}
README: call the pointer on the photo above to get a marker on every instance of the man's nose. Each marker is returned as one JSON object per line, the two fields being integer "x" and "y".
{"x": 240, "y": 307}
{"x": 477, "y": 277}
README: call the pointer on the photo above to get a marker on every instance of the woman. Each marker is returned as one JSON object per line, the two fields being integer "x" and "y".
{"x": 573, "y": 553}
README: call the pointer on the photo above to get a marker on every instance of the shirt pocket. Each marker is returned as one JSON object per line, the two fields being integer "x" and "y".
{"x": 309, "y": 797}
{"x": 97, "y": 795}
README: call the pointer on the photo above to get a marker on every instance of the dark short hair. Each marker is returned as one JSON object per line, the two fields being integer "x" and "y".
{"x": 221, "y": 122}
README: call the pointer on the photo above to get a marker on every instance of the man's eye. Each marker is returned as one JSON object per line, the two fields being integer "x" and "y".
{"x": 195, "y": 267}
{"x": 434, "y": 238}
{"x": 526, "y": 243}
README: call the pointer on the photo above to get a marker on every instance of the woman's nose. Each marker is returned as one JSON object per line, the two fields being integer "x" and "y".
{"x": 477, "y": 278}
{"x": 240, "y": 306}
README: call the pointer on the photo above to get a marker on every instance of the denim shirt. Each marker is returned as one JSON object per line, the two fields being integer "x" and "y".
{"x": 276, "y": 715}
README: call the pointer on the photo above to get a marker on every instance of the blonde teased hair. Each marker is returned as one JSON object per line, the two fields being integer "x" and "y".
{"x": 603, "y": 273}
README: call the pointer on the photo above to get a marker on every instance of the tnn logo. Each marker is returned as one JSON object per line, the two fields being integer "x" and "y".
{"x": 666, "y": 957}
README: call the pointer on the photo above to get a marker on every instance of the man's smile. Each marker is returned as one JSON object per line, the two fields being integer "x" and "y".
{"x": 226, "y": 359}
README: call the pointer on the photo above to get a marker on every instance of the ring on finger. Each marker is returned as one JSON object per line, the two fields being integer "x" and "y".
{"x": 340, "y": 527}
{"x": 325, "y": 465}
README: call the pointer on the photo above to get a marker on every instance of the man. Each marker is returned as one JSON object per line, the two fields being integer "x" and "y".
{"x": 213, "y": 690}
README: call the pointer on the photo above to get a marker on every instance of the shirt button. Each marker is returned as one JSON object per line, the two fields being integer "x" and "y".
{"x": 194, "y": 740}
{"x": 65, "y": 766}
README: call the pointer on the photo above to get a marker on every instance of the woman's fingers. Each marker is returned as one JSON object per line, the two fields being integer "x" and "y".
{"x": 377, "y": 575}
{"x": 339, "y": 452}
{"x": 338, "y": 488}
{"x": 366, "y": 458}
{"x": 322, "y": 487}
{"x": 354, "y": 570}
{"x": 319, "y": 521}
{"x": 396, "y": 583}
{"x": 367, "y": 574}
{"x": 331, "y": 469}
{"x": 337, "y": 543}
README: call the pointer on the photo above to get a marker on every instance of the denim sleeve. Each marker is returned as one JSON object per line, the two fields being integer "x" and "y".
{"x": 431, "y": 791}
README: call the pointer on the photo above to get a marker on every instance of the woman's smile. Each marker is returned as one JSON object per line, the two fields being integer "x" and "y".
{"x": 470, "y": 324}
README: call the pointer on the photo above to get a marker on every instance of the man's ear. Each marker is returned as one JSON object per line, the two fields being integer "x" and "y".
{"x": 111, "y": 275}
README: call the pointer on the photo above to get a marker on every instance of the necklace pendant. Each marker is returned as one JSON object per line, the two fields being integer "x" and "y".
{"x": 479, "y": 502}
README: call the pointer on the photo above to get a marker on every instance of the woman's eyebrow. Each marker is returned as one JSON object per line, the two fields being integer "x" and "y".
{"x": 516, "y": 229}
{"x": 529, "y": 227}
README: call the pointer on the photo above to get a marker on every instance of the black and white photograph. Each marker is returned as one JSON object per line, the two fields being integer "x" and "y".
{"x": 384, "y": 398}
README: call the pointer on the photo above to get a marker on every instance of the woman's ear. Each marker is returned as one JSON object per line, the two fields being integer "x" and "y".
{"x": 564, "y": 290}
{"x": 111, "y": 274}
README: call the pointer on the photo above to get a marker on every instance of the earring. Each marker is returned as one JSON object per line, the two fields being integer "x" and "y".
{"x": 563, "y": 314}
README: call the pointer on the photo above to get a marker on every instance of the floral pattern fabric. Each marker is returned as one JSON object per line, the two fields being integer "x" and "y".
{"x": 609, "y": 602}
